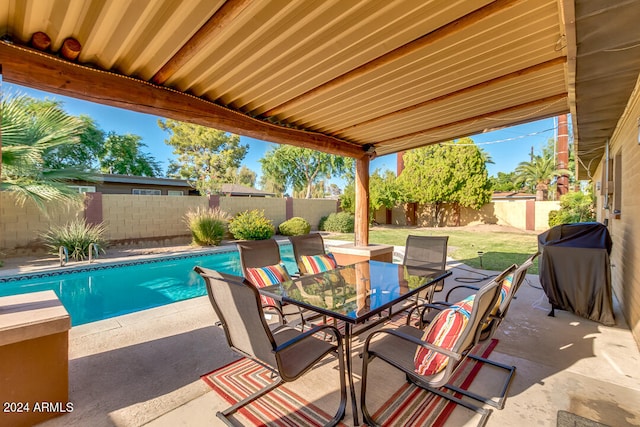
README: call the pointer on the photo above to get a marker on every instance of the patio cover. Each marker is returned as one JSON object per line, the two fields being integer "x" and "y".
{"x": 575, "y": 272}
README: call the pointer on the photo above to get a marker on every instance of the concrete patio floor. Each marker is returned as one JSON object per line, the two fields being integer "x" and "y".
{"x": 145, "y": 368}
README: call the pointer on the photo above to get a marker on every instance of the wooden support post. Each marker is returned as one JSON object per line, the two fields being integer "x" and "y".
{"x": 362, "y": 202}
{"x": 1, "y": 128}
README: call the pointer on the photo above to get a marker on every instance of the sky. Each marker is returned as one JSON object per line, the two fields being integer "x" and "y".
{"x": 507, "y": 147}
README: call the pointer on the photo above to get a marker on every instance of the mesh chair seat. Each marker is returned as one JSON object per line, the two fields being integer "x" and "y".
{"x": 296, "y": 359}
{"x": 402, "y": 351}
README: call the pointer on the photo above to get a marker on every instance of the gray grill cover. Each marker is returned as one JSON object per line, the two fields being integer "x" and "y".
{"x": 575, "y": 271}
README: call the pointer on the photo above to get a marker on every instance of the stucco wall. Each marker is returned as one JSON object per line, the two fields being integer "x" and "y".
{"x": 542, "y": 213}
{"x": 625, "y": 229}
{"x": 511, "y": 213}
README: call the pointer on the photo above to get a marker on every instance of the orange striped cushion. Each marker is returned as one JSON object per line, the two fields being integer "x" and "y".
{"x": 444, "y": 331}
{"x": 267, "y": 276}
{"x": 314, "y": 264}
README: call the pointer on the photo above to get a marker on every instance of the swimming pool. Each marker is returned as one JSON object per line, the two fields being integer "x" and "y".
{"x": 104, "y": 291}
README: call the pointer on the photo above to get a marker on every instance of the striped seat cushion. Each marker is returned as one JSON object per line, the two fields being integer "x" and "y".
{"x": 443, "y": 331}
{"x": 267, "y": 276}
{"x": 314, "y": 264}
{"x": 504, "y": 291}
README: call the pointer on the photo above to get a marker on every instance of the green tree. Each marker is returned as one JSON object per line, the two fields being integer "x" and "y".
{"x": 243, "y": 176}
{"x": 348, "y": 199}
{"x": 272, "y": 185}
{"x": 504, "y": 182}
{"x": 30, "y": 129}
{"x": 81, "y": 156}
{"x": 123, "y": 155}
{"x": 302, "y": 168}
{"x": 537, "y": 175}
{"x": 383, "y": 192}
{"x": 203, "y": 154}
{"x": 449, "y": 173}
{"x": 334, "y": 190}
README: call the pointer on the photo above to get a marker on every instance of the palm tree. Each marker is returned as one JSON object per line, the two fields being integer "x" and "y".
{"x": 538, "y": 174}
{"x": 29, "y": 130}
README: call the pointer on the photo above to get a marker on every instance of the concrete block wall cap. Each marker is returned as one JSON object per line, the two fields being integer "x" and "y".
{"x": 33, "y": 315}
{"x": 371, "y": 249}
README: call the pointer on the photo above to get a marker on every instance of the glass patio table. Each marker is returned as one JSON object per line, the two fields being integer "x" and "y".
{"x": 354, "y": 294}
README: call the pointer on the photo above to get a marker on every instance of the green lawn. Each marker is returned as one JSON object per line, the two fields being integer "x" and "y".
{"x": 501, "y": 249}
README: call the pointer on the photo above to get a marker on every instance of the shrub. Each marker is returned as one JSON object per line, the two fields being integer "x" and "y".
{"x": 251, "y": 225}
{"x": 76, "y": 236}
{"x": 295, "y": 226}
{"x": 574, "y": 207}
{"x": 321, "y": 223}
{"x": 207, "y": 226}
{"x": 341, "y": 222}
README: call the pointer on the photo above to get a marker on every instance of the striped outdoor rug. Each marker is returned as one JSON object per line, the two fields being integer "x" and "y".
{"x": 412, "y": 406}
{"x": 280, "y": 407}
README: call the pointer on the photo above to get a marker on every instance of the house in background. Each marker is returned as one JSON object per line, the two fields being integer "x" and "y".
{"x": 511, "y": 195}
{"x": 243, "y": 191}
{"x": 136, "y": 185}
{"x": 151, "y": 186}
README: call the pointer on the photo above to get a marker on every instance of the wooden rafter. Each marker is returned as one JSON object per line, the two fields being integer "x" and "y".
{"x": 420, "y": 43}
{"x": 45, "y": 72}
{"x": 206, "y": 34}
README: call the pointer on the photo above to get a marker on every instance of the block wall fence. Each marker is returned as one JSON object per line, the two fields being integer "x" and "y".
{"x": 143, "y": 220}
{"x": 523, "y": 214}
{"x": 139, "y": 220}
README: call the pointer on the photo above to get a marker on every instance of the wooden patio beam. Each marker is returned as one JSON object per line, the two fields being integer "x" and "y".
{"x": 419, "y": 43}
{"x": 42, "y": 71}
{"x": 547, "y": 101}
{"x": 205, "y": 35}
{"x": 504, "y": 78}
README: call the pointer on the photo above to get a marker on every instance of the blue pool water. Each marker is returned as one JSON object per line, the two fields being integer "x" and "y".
{"x": 108, "y": 291}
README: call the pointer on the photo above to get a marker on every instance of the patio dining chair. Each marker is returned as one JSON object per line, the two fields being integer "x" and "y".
{"x": 509, "y": 287}
{"x": 310, "y": 255}
{"x": 430, "y": 358}
{"x": 427, "y": 252}
{"x": 287, "y": 352}
{"x": 262, "y": 265}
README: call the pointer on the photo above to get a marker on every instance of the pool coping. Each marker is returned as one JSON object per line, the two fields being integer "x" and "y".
{"x": 13, "y": 275}
{"x": 109, "y": 264}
